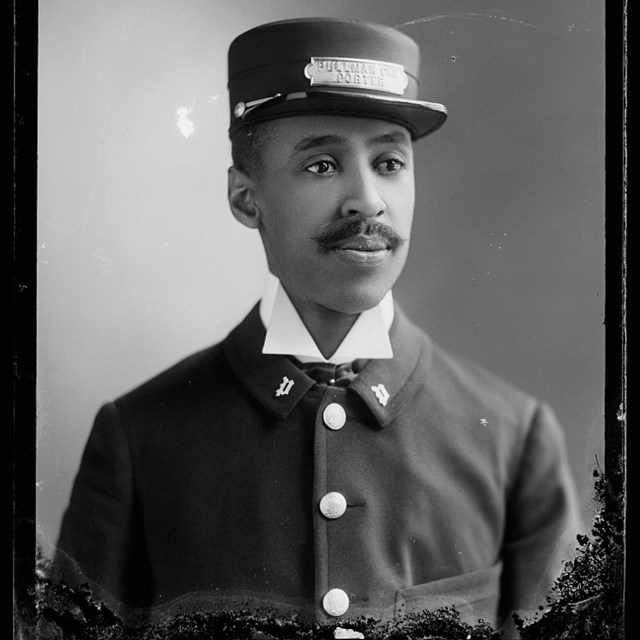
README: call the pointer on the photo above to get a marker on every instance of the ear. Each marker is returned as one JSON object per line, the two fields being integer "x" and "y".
{"x": 240, "y": 192}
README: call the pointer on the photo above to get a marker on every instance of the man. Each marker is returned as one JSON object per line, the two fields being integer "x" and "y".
{"x": 327, "y": 457}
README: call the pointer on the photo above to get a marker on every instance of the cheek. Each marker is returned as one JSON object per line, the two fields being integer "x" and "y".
{"x": 409, "y": 192}
{"x": 401, "y": 204}
{"x": 287, "y": 233}
{"x": 294, "y": 213}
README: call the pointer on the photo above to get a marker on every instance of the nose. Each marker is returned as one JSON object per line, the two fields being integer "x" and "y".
{"x": 363, "y": 196}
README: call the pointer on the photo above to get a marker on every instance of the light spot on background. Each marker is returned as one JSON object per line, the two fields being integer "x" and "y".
{"x": 185, "y": 125}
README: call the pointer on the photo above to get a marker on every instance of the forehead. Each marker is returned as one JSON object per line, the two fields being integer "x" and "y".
{"x": 299, "y": 134}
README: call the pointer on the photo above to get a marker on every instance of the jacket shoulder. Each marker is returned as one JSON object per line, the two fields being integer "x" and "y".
{"x": 189, "y": 370}
{"x": 460, "y": 383}
{"x": 478, "y": 381}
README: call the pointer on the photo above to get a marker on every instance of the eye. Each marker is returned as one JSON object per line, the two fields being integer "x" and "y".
{"x": 390, "y": 165}
{"x": 322, "y": 167}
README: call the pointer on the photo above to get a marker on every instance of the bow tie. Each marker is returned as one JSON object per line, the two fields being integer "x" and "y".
{"x": 339, "y": 375}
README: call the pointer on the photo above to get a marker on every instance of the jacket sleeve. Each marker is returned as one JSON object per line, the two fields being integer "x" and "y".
{"x": 542, "y": 518}
{"x": 101, "y": 538}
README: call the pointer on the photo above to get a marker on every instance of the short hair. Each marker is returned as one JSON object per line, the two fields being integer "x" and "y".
{"x": 247, "y": 144}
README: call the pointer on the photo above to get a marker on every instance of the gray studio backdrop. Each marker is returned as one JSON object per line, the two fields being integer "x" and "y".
{"x": 140, "y": 261}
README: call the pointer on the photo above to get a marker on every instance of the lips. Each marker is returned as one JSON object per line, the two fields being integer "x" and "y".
{"x": 364, "y": 238}
{"x": 363, "y": 243}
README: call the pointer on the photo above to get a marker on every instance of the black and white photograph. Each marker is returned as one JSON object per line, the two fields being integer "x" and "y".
{"x": 320, "y": 312}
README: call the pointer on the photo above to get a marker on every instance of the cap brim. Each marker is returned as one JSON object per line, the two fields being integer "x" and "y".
{"x": 419, "y": 117}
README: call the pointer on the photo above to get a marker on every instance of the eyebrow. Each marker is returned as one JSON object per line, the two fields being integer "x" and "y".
{"x": 314, "y": 142}
{"x": 396, "y": 136}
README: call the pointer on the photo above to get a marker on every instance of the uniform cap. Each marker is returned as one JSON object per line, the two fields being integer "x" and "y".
{"x": 329, "y": 66}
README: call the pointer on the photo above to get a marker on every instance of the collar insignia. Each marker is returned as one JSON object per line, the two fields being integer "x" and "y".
{"x": 381, "y": 393}
{"x": 285, "y": 387}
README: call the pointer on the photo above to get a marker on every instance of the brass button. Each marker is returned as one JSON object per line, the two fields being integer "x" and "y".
{"x": 334, "y": 416}
{"x": 335, "y": 602}
{"x": 333, "y": 505}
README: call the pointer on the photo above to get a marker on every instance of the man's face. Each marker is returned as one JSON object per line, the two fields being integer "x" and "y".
{"x": 335, "y": 200}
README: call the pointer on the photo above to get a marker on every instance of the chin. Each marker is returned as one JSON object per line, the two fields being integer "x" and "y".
{"x": 356, "y": 299}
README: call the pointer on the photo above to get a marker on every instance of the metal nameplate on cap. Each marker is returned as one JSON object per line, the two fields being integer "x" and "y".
{"x": 357, "y": 73}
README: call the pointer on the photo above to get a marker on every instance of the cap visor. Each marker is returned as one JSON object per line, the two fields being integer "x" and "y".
{"x": 419, "y": 117}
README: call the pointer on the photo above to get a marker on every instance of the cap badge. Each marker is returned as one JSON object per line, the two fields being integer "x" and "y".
{"x": 381, "y": 393}
{"x": 285, "y": 387}
{"x": 355, "y": 73}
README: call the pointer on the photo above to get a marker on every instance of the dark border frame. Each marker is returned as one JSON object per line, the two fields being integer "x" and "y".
{"x": 23, "y": 253}
{"x": 23, "y": 274}
{"x": 616, "y": 167}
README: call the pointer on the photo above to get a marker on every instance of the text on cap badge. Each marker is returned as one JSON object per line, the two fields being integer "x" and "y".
{"x": 357, "y": 73}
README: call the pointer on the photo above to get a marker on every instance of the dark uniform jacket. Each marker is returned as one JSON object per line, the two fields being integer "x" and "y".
{"x": 209, "y": 479}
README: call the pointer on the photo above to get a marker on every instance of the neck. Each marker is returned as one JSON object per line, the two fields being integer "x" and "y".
{"x": 327, "y": 327}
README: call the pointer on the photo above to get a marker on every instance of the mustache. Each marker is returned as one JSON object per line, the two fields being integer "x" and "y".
{"x": 372, "y": 228}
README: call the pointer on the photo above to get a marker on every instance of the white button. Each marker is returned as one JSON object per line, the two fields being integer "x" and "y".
{"x": 333, "y": 505}
{"x": 334, "y": 416}
{"x": 335, "y": 602}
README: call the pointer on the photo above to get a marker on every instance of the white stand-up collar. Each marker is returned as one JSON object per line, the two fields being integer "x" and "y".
{"x": 287, "y": 334}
